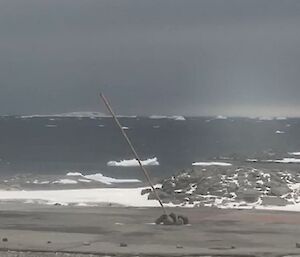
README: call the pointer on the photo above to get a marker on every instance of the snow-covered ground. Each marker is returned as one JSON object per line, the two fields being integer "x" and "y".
{"x": 123, "y": 196}
{"x": 133, "y": 163}
{"x": 120, "y": 196}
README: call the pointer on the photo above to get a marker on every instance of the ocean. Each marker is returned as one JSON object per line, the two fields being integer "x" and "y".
{"x": 58, "y": 145}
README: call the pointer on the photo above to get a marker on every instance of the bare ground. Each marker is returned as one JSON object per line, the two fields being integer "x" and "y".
{"x": 34, "y": 230}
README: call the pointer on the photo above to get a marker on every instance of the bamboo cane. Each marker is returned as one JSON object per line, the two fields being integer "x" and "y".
{"x": 109, "y": 108}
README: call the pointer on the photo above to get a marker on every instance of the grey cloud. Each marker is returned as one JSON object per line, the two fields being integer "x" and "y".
{"x": 165, "y": 57}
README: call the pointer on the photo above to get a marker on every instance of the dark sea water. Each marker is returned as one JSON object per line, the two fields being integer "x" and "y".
{"x": 45, "y": 145}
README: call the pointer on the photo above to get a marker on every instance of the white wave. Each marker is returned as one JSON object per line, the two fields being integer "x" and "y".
{"x": 50, "y": 126}
{"x": 100, "y": 178}
{"x": 125, "y": 128}
{"x": 211, "y": 164}
{"x": 279, "y": 132}
{"x": 65, "y": 182}
{"x": 174, "y": 117}
{"x": 285, "y": 160}
{"x": 108, "y": 181}
{"x": 294, "y": 153}
{"x": 281, "y": 118}
{"x": 133, "y": 163}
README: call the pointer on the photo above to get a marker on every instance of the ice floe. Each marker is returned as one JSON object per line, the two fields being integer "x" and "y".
{"x": 133, "y": 163}
{"x": 279, "y": 132}
{"x": 211, "y": 164}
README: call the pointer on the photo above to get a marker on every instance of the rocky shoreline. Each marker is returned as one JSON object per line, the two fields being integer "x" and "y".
{"x": 227, "y": 187}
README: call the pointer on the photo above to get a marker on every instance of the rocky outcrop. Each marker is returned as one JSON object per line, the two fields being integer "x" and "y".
{"x": 225, "y": 186}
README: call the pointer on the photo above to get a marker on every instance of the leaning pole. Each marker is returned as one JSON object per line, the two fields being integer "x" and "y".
{"x": 109, "y": 108}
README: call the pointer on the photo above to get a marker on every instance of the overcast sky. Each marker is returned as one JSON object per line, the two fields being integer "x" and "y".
{"x": 201, "y": 57}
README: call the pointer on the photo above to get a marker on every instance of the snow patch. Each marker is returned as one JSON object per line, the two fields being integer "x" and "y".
{"x": 133, "y": 163}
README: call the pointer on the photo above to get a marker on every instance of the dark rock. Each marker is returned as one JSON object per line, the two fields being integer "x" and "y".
{"x": 86, "y": 243}
{"x": 146, "y": 191}
{"x": 179, "y": 246}
{"x": 232, "y": 187}
{"x": 49, "y": 242}
{"x": 184, "y": 219}
{"x": 161, "y": 194}
{"x": 177, "y": 201}
{"x": 274, "y": 200}
{"x": 249, "y": 195}
{"x": 166, "y": 200}
{"x": 280, "y": 190}
{"x": 4, "y": 239}
{"x": 123, "y": 245}
{"x": 160, "y": 219}
{"x": 297, "y": 245}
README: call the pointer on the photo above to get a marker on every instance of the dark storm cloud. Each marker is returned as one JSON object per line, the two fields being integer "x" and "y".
{"x": 164, "y": 57}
